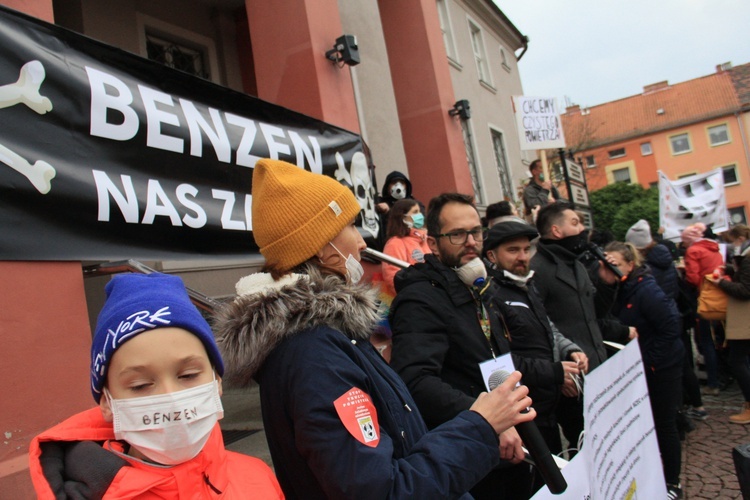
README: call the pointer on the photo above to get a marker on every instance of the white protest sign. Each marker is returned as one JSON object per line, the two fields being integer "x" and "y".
{"x": 576, "y": 475}
{"x": 620, "y": 455}
{"x": 620, "y": 441}
{"x": 538, "y": 122}
{"x": 697, "y": 198}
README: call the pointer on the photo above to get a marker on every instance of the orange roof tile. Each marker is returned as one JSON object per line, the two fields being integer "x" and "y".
{"x": 660, "y": 107}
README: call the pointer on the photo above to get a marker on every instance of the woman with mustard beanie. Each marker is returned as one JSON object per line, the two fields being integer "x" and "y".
{"x": 339, "y": 422}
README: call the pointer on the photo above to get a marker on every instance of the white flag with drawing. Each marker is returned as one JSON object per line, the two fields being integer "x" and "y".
{"x": 698, "y": 198}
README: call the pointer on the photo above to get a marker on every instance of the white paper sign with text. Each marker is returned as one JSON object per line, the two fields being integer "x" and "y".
{"x": 538, "y": 122}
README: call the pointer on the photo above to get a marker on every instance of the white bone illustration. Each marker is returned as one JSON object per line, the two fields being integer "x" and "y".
{"x": 40, "y": 174}
{"x": 26, "y": 91}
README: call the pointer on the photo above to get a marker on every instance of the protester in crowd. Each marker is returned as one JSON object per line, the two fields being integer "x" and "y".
{"x": 671, "y": 246}
{"x": 442, "y": 331}
{"x": 738, "y": 314}
{"x": 567, "y": 292}
{"x": 339, "y": 422}
{"x": 702, "y": 257}
{"x": 395, "y": 187}
{"x": 538, "y": 190}
{"x": 497, "y": 211}
{"x": 156, "y": 375}
{"x": 556, "y": 360}
{"x": 656, "y": 256}
{"x": 407, "y": 240}
{"x": 659, "y": 260}
{"x": 643, "y": 304}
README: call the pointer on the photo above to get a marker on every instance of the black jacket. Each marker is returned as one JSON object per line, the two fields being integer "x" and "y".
{"x": 568, "y": 295}
{"x": 659, "y": 260}
{"x": 438, "y": 341}
{"x": 533, "y": 336}
{"x": 644, "y": 305}
{"x": 393, "y": 177}
{"x": 534, "y": 194}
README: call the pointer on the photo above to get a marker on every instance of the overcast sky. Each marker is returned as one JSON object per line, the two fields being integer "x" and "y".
{"x": 596, "y": 51}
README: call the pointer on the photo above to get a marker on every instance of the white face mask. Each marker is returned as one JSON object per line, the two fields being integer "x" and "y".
{"x": 354, "y": 269}
{"x": 473, "y": 273}
{"x": 168, "y": 428}
{"x": 398, "y": 190}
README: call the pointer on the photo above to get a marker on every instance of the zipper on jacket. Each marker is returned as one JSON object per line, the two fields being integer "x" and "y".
{"x": 208, "y": 482}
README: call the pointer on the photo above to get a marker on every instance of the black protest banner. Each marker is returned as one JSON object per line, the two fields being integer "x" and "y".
{"x": 105, "y": 155}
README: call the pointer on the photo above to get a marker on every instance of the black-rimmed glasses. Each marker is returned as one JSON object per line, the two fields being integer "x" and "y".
{"x": 460, "y": 236}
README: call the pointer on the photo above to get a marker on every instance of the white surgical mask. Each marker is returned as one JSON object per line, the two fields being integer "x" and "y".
{"x": 354, "y": 269}
{"x": 473, "y": 273}
{"x": 518, "y": 279}
{"x": 168, "y": 428}
{"x": 398, "y": 190}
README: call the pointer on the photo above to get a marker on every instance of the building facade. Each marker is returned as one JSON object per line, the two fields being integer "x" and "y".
{"x": 679, "y": 129}
{"x": 418, "y": 58}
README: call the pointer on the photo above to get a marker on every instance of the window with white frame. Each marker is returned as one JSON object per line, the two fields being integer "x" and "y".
{"x": 501, "y": 161}
{"x": 731, "y": 177}
{"x": 504, "y": 59}
{"x": 680, "y": 144}
{"x": 471, "y": 159}
{"x": 480, "y": 56}
{"x": 445, "y": 27}
{"x": 616, "y": 153}
{"x": 718, "y": 134}
{"x": 737, "y": 216}
{"x": 646, "y": 149}
{"x": 621, "y": 175}
{"x": 590, "y": 161}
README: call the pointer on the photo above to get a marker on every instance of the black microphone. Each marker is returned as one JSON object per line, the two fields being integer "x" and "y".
{"x": 534, "y": 442}
{"x": 597, "y": 252}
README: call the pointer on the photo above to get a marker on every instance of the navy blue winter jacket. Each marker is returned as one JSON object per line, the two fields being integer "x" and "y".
{"x": 306, "y": 344}
{"x": 643, "y": 304}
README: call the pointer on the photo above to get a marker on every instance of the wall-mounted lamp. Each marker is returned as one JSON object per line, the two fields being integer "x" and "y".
{"x": 344, "y": 51}
{"x": 462, "y": 109}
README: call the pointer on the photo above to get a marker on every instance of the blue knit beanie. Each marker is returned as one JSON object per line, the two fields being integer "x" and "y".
{"x": 140, "y": 302}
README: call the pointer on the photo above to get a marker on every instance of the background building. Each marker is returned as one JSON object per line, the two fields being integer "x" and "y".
{"x": 680, "y": 129}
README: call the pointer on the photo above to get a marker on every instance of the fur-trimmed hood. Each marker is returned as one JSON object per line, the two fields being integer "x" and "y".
{"x": 266, "y": 312}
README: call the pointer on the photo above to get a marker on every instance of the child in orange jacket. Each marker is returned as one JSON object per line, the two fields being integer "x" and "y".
{"x": 156, "y": 375}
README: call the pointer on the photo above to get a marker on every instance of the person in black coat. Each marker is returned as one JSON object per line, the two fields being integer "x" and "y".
{"x": 442, "y": 331}
{"x": 569, "y": 296}
{"x": 662, "y": 266}
{"x": 643, "y": 304}
{"x": 507, "y": 253}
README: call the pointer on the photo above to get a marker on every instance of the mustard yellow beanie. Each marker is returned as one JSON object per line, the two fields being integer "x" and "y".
{"x": 296, "y": 212}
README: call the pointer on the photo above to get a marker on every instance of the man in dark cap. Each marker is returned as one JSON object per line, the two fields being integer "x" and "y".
{"x": 557, "y": 360}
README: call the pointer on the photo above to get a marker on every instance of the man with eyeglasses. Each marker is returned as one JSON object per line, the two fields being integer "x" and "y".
{"x": 442, "y": 331}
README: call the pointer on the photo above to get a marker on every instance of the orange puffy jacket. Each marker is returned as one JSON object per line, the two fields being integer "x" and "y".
{"x": 213, "y": 473}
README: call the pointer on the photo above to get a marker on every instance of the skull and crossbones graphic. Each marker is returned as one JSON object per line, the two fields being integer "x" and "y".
{"x": 26, "y": 91}
{"x": 357, "y": 177}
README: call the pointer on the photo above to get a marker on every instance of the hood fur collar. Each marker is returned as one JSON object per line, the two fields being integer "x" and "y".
{"x": 249, "y": 328}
